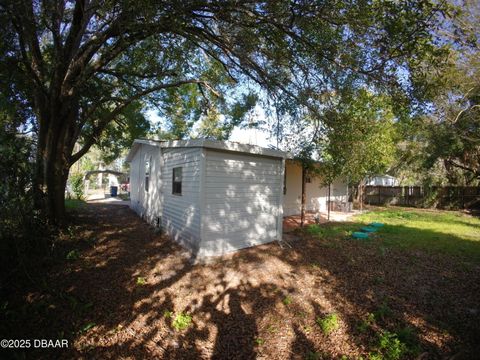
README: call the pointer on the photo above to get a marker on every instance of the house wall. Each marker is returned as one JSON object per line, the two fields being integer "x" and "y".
{"x": 316, "y": 193}
{"x": 242, "y": 201}
{"x": 182, "y": 213}
{"x": 382, "y": 181}
{"x": 147, "y": 204}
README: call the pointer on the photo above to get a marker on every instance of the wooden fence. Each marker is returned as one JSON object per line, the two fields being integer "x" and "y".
{"x": 459, "y": 197}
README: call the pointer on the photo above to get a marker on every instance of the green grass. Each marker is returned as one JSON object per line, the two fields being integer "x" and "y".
{"x": 123, "y": 196}
{"x": 287, "y": 300}
{"x": 448, "y": 232}
{"x": 445, "y": 231}
{"x": 259, "y": 341}
{"x": 141, "y": 281}
{"x": 73, "y": 204}
{"x": 181, "y": 321}
{"x": 328, "y": 323}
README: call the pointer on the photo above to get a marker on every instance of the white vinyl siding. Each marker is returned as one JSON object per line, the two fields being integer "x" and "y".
{"x": 146, "y": 204}
{"x": 181, "y": 214}
{"x": 229, "y": 200}
{"x": 243, "y": 194}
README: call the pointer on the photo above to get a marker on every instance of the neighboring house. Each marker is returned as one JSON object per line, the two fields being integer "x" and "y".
{"x": 216, "y": 197}
{"x": 316, "y": 192}
{"x": 382, "y": 180}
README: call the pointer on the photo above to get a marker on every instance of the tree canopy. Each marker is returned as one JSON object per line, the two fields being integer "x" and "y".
{"x": 442, "y": 143}
{"x": 75, "y": 68}
{"x": 360, "y": 137}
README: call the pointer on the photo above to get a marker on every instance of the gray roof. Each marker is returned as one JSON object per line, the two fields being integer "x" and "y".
{"x": 206, "y": 143}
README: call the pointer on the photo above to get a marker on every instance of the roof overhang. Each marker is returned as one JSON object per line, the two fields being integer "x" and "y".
{"x": 206, "y": 143}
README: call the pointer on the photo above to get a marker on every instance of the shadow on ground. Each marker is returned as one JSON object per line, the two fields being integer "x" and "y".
{"x": 121, "y": 296}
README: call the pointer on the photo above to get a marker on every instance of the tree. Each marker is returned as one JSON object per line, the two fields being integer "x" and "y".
{"x": 442, "y": 145}
{"x": 78, "y": 66}
{"x": 453, "y": 129}
{"x": 119, "y": 134}
{"x": 360, "y": 137}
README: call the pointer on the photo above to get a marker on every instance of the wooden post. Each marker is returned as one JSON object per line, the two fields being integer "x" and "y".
{"x": 328, "y": 216}
{"x": 304, "y": 196}
{"x": 361, "y": 195}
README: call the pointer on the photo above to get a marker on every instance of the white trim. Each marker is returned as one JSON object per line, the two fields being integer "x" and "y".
{"x": 202, "y": 195}
{"x": 206, "y": 143}
{"x": 280, "y": 204}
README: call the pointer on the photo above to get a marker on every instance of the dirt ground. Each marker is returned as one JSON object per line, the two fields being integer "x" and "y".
{"x": 262, "y": 302}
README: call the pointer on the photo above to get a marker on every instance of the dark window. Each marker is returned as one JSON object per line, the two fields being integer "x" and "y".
{"x": 147, "y": 173}
{"x": 308, "y": 179}
{"x": 285, "y": 181}
{"x": 177, "y": 181}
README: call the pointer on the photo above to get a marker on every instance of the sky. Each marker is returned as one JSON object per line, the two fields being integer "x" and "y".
{"x": 250, "y": 136}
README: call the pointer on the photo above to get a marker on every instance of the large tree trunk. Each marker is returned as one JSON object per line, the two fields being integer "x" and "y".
{"x": 54, "y": 150}
{"x": 56, "y": 180}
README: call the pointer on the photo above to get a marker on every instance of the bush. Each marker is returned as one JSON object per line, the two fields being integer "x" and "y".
{"x": 314, "y": 229}
{"x": 23, "y": 232}
{"x": 76, "y": 182}
{"x": 390, "y": 346}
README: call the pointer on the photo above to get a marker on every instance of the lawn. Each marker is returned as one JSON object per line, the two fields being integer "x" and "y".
{"x": 116, "y": 289}
{"x": 449, "y": 232}
{"x": 74, "y": 204}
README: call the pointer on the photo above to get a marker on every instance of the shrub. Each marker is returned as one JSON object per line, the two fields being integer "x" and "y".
{"x": 24, "y": 234}
{"x": 328, "y": 323}
{"x": 314, "y": 229}
{"x": 408, "y": 336}
{"x": 389, "y": 347}
{"x": 383, "y": 312}
{"x": 366, "y": 323}
{"x": 76, "y": 182}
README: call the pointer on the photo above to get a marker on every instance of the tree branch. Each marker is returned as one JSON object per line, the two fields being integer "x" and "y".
{"x": 118, "y": 110}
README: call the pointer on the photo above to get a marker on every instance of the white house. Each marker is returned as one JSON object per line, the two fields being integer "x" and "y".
{"x": 316, "y": 192}
{"x": 216, "y": 197}
{"x": 382, "y": 180}
{"x": 213, "y": 197}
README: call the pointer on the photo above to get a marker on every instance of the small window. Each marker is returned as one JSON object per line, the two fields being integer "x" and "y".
{"x": 285, "y": 181}
{"x": 308, "y": 179}
{"x": 177, "y": 181}
{"x": 147, "y": 174}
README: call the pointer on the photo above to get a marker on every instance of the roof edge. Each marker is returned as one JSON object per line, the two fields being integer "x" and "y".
{"x": 206, "y": 143}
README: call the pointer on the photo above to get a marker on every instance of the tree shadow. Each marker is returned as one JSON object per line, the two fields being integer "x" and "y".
{"x": 137, "y": 282}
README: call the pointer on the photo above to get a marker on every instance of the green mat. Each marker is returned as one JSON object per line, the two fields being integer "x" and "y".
{"x": 359, "y": 235}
